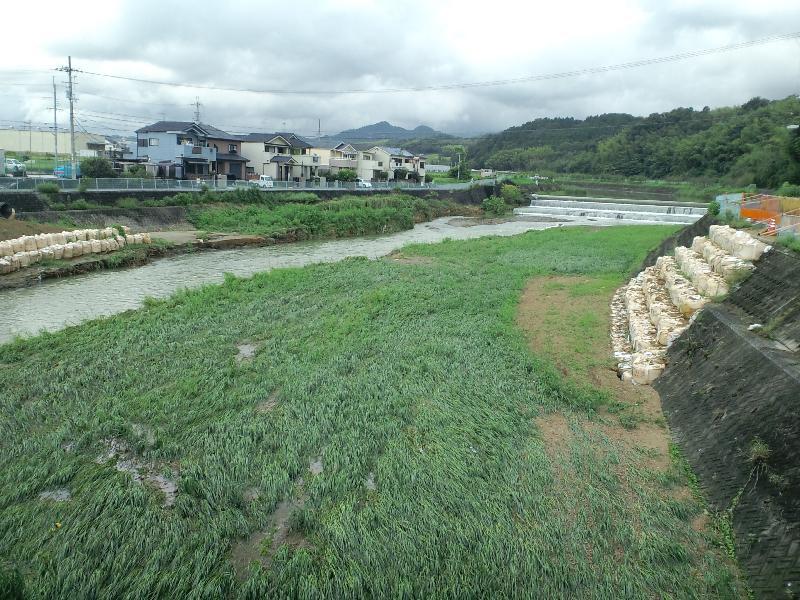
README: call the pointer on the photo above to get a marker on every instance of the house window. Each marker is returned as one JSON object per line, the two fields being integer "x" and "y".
{"x": 152, "y": 142}
{"x": 380, "y": 163}
{"x": 142, "y": 143}
{"x": 281, "y": 150}
{"x": 367, "y": 157}
{"x": 422, "y": 165}
{"x": 231, "y": 148}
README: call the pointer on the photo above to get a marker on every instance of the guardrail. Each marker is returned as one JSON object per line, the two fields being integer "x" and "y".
{"x": 122, "y": 184}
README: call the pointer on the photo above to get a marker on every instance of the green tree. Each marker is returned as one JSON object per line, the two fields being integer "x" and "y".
{"x": 346, "y": 175}
{"x": 137, "y": 172}
{"x": 97, "y": 167}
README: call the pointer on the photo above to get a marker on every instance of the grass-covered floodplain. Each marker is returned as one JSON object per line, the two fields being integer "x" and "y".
{"x": 360, "y": 429}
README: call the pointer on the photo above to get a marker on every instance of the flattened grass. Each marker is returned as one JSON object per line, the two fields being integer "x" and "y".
{"x": 411, "y": 378}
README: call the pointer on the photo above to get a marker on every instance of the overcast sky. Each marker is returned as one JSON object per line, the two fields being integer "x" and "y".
{"x": 340, "y": 45}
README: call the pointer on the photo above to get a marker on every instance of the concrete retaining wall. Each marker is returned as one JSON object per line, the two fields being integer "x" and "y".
{"x": 726, "y": 388}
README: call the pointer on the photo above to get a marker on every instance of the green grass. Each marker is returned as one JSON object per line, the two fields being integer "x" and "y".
{"x": 789, "y": 240}
{"x": 413, "y": 371}
{"x": 348, "y": 216}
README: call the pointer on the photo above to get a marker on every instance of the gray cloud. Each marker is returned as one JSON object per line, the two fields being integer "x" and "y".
{"x": 335, "y": 46}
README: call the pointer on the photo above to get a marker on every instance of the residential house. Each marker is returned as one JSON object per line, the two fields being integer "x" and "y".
{"x": 177, "y": 149}
{"x": 230, "y": 162}
{"x": 389, "y": 159}
{"x": 335, "y": 157}
{"x": 283, "y": 156}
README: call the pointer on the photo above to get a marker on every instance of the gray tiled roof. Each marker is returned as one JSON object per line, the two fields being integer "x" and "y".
{"x": 209, "y": 130}
{"x": 292, "y": 139}
{"x": 394, "y": 151}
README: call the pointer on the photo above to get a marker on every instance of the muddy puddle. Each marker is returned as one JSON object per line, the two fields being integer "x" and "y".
{"x": 246, "y": 352}
{"x": 57, "y": 495}
{"x": 261, "y": 546}
{"x": 316, "y": 466}
{"x": 150, "y": 474}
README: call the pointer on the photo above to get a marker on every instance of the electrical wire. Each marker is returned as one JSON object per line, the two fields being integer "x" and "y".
{"x": 476, "y": 84}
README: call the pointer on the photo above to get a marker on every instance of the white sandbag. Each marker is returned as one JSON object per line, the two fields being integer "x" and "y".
{"x": 24, "y": 259}
{"x": 29, "y": 243}
{"x": 39, "y": 241}
{"x": 58, "y": 251}
{"x": 77, "y": 249}
{"x": 66, "y": 250}
{"x": 146, "y": 238}
{"x": 645, "y": 373}
{"x": 5, "y": 249}
{"x": 87, "y": 247}
{"x": 126, "y": 230}
{"x": 112, "y": 244}
{"x": 5, "y": 266}
{"x": 137, "y": 238}
{"x": 121, "y": 241}
{"x": 104, "y": 245}
{"x": 91, "y": 234}
{"x": 97, "y": 247}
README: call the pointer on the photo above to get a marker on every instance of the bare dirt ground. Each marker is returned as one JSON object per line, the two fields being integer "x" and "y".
{"x": 566, "y": 319}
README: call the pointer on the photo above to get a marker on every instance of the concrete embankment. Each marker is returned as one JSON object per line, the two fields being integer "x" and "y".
{"x": 731, "y": 394}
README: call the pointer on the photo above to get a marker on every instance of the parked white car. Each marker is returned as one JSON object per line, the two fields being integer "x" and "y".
{"x": 363, "y": 183}
{"x": 14, "y": 167}
{"x": 265, "y": 181}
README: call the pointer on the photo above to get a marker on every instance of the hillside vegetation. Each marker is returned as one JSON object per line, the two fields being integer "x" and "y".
{"x": 740, "y": 145}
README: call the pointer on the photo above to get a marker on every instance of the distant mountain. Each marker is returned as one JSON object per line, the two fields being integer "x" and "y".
{"x": 387, "y": 132}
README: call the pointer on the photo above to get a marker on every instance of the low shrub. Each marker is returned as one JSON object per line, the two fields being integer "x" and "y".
{"x": 48, "y": 188}
{"x": 82, "y": 204}
{"x": 127, "y": 203}
{"x": 789, "y": 189}
{"x": 511, "y": 194}
{"x": 494, "y": 205}
{"x": 713, "y": 208}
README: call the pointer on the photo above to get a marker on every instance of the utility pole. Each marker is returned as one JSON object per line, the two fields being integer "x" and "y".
{"x": 197, "y": 106}
{"x": 30, "y": 137}
{"x": 71, "y": 96}
{"x": 55, "y": 124}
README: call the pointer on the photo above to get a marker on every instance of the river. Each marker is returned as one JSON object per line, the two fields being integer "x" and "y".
{"x": 57, "y": 303}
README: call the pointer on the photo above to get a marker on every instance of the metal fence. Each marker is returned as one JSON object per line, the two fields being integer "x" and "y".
{"x": 122, "y": 184}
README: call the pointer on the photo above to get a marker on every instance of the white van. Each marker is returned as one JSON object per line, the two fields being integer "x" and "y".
{"x": 265, "y": 181}
{"x": 363, "y": 183}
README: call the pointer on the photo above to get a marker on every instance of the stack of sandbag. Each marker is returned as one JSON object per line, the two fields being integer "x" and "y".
{"x": 739, "y": 243}
{"x": 731, "y": 268}
{"x": 24, "y": 251}
{"x": 682, "y": 293}
{"x": 664, "y": 315}
{"x": 705, "y": 280}
{"x": 620, "y": 342}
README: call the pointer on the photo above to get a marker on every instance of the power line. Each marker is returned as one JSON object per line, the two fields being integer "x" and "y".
{"x": 497, "y": 82}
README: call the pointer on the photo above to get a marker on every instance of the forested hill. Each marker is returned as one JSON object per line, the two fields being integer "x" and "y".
{"x": 741, "y": 144}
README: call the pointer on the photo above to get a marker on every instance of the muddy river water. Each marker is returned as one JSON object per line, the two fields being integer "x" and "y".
{"x": 57, "y": 303}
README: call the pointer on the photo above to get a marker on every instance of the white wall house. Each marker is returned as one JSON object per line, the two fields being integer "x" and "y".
{"x": 283, "y": 156}
{"x": 373, "y": 164}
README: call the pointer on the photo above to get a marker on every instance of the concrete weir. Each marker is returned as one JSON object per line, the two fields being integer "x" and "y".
{"x": 572, "y": 208}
